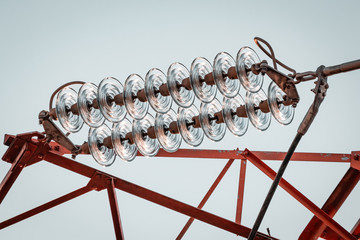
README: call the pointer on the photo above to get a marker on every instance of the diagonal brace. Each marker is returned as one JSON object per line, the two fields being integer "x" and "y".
{"x": 320, "y": 214}
{"x": 206, "y": 197}
{"x": 45, "y": 207}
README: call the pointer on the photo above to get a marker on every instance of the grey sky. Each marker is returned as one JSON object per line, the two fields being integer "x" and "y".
{"x": 45, "y": 44}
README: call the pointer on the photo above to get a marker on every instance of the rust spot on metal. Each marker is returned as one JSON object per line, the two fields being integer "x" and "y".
{"x": 327, "y": 155}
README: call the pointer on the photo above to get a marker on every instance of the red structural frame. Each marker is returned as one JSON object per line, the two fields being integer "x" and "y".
{"x": 30, "y": 148}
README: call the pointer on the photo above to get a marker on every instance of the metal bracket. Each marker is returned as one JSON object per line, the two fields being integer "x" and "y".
{"x": 286, "y": 83}
{"x": 320, "y": 93}
{"x": 54, "y": 133}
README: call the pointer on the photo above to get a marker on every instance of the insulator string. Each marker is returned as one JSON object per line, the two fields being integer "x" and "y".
{"x": 235, "y": 71}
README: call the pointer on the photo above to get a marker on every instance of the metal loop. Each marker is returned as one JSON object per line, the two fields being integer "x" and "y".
{"x": 272, "y": 55}
{"x": 59, "y": 88}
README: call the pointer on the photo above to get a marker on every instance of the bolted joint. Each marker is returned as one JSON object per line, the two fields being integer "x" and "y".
{"x": 355, "y": 160}
{"x": 245, "y": 152}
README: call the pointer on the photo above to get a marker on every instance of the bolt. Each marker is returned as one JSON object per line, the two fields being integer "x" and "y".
{"x": 40, "y": 155}
{"x": 57, "y": 148}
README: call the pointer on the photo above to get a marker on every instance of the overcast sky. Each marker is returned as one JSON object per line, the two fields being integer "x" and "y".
{"x": 45, "y": 44}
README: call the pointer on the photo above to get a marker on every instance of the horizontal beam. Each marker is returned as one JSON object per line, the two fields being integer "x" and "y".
{"x": 304, "y": 156}
{"x": 202, "y": 153}
{"x": 237, "y": 154}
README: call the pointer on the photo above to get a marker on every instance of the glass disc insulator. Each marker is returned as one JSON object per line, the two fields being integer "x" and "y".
{"x": 259, "y": 119}
{"x": 69, "y": 121}
{"x": 170, "y": 142}
{"x": 201, "y": 67}
{"x": 246, "y": 57}
{"x": 107, "y": 90}
{"x": 136, "y": 108}
{"x": 214, "y": 131}
{"x": 103, "y": 155}
{"x": 237, "y": 125}
{"x": 175, "y": 76}
{"x": 222, "y": 63}
{"x": 283, "y": 114}
{"x": 147, "y": 146}
{"x": 92, "y": 116}
{"x": 192, "y": 136}
{"x": 122, "y": 147}
{"x": 153, "y": 80}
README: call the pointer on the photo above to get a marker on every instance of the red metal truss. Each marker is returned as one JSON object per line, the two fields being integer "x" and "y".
{"x": 30, "y": 148}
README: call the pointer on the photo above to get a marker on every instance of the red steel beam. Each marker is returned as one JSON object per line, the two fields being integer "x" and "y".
{"x": 329, "y": 234}
{"x": 206, "y": 197}
{"x": 315, "y": 228}
{"x": 14, "y": 171}
{"x": 70, "y": 165}
{"x": 154, "y": 197}
{"x": 186, "y": 209}
{"x": 265, "y": 155}
{"x": 45, "y": 207}
{"x": 240, "y": 196}
{"x": 306, "y": 157}
{"x": 356, "y": 229}
{"x": 9, "y": 180}
{"x": 202, "y": 153}
{"x": 115, "y": 210}
{"x": 53, "y": 157}
{"x": 237, "y": 154}
{"x": 299, "y": 196}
